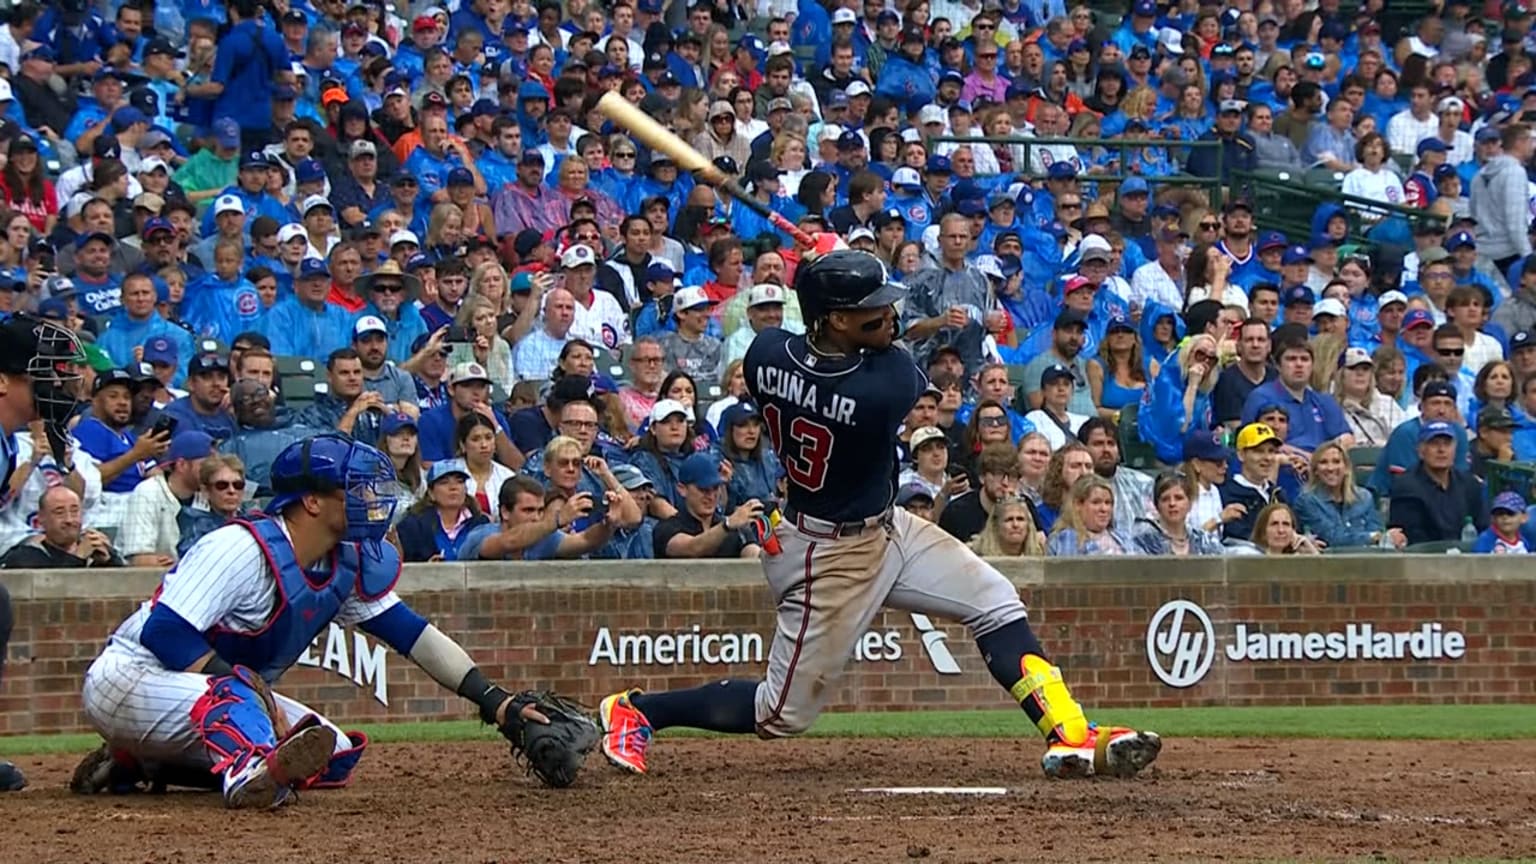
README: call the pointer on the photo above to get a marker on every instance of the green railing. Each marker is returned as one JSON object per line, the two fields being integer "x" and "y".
{"x": 1028, "y": 172}
{"x": 1285, "y": 201}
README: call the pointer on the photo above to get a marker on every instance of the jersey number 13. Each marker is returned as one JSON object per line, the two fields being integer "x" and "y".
{"x": 803, "y": 446}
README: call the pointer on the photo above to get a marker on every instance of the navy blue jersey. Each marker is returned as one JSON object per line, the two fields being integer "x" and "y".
{"x": 833, "y": 421}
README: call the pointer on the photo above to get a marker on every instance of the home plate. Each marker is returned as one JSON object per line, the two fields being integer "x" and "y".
{"x": 934, "y": 790}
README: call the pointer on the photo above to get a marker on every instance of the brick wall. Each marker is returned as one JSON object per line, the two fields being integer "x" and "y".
{"x": 540, "y": 627}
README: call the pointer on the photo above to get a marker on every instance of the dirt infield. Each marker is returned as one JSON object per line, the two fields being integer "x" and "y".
{"x": 749, "y": 801}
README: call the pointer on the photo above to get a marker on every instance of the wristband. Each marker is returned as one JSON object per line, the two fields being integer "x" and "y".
{"x": 478, "y": 689}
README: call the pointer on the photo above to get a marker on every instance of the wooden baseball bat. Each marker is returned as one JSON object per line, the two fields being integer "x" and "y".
{"x": 662, "y": 140}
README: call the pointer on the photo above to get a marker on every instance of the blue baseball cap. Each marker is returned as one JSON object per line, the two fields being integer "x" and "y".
{"x": 1436, "y": 429}
{"x": 1144, "y": 8}
{"x": 659, "y": 272}
{"x": 970, "y": 207}
{"x": 1297, "y": 254}
{"x": 187, "y": 444}
{"x": 461, "y": 177}
{"x": 1508, "y": 501}
{"x": 939, "y": 165}
{"x": 314, "y": 267}
{"x": 1010, "y": 264}
{"x": 1432, "y": 144}
{"x": 1065, "y": 171}
{"x": 1272, "y": 240}
{"x": 484, "y": 108}
{"x": 156, "y": 225}
{"x": 309, "y": 171}
{"x": 126, "y": 117}
{"x": 1445, "y": 172}
{"x": 446, "y": 468}
{"x": 1458, "y": 240}
{"x": 161, "y": 350}
{"x": 701, "y": 470}
{"x": 1298, "y": 295}
{"x": 951, "y": 75}
{"x": 1133, "y": 186}
{"x": 54, "y": 309}
{"x": 396, "y": 421}
{"x": 1120, "y": 323}
{"x": 741, "y": 412}
{"x": 1418, "y": 318}
{"x": 1206, "y": 444}
{"x": 254, "y": 159}
{"x": 226, "y": 133}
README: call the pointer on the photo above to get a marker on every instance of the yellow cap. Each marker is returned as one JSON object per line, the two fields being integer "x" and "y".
{"x": 1255, "y": 434}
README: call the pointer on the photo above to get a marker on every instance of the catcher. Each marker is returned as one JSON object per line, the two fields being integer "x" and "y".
{"x": 181, "y": 693}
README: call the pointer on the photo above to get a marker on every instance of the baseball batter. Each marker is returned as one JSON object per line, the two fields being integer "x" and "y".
{"x": 833, "y": 400}
{"x": 181, "y": 692}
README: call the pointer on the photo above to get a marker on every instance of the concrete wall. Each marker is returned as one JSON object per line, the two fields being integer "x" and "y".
{"x": 1346, "y": 630}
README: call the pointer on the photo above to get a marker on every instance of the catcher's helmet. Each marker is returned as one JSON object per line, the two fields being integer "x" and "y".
{"x": 51, "y": 356}
{"x": 329, "y": 463}
{"x": 844, "y": 279}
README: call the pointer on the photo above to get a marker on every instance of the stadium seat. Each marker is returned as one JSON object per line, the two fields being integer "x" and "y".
{"x": 289, "y": 366}
{"x": 213, "y": 345}
{"x": 1435, "y": 547}
{"x": 1364, "y": 459}
{"x": 1134, "y": 452}
{"x": 299, "y": 390}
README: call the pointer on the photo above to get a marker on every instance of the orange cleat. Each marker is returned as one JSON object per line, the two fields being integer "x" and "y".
{"x": 626, "y": 732}
{"x": 1113, "y": 750}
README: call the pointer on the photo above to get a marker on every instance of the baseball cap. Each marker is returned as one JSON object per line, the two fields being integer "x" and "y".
{"x": 579, "y": 255}
{"x": 738, "y": 413}
{"x": 446, "y": 468}
{"x": 1418, "y": 318}
{"x": 766, "y": 294}
{"x": 228, "y": 204}
{"x": 906, "y": 176}
{"x": 162, "y": 351}
{"x": 691, "y": 297}
{"x": 308, "y": 171}
{"x": 149, "y": 201}
{"x": 1298, "y": 295}
{"x": 1433, "y": 255}
{"x": 1055, "y": 372}
{"x": 187, "y": 444}
{"x": 1440, "y": 389}
{"x": 1233, "y": 106}
{"x": 112, "y": 376}
{"x": 1297, "y": 254}
{"x": 1486, "y": 135}
{"x": 912, "y": 492}
{"x": 938, "y": 165}
{"x": 630, "y": 477}
{"x": 1445, "y": 172}
{"x": 1521, "y": 340}
{"x": 1508, "y": 501}
{"x": 1436, "y": 429}
{"x": 931, "y": 114}
{"x": 316, "y": 201}
{"x": 923, "y": 435}
{"x": 1329, "y": 306}
{"x": 309, "y": 268}
{"x": 156, "y": 225}
{"x": 1458, "y": 240}
{"x": 254, "y": 159}
{"x": 395, "y": 421}
{"x": 1495, "y": 417}
{"x": 1387, "y": 298}
{"x": 1432, "y": 144}
{"x": 460, "y": 177}
{"x": 1206, "y": 444}
{"x": 290, "y": 232}
{"x": 1070, "y": 318}
{"x": 1132, "y": 186}
{"x": 665, "y": 408}
{"x": 362, "y": 148}
{"x": 1353, "y": 357}
{"x": 857, "y": 88}
{"x": 659, "y": 272}
{"x": 844, "y": 15}
{"x": 207, "y": 361}
{"x": 369, "y": 324}
{"x": 468, "y": 372}
{"x": 1255, "y": 434}
{"x": 1272, "y": 240}
{"x": 404, "y": 235}
{"x": 702, "y": 469}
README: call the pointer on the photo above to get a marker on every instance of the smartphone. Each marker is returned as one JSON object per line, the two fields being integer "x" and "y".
{"x": 457, "y": 333}
{"x": 165, "y": 425}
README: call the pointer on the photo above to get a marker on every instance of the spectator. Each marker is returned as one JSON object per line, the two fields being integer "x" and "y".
{"x": 1337, "y": 512}
{"x": 399, "y": 441}
{"x": 1010, "y": 532}
{"x": 1315, "y": 417}
{"x": 647, "y": 368}
{"x": 568, "y": 467}
{"x": 1435, "y": 499}
{"x": 539, "y": 352}
{"x": 754, "y": 471}
{"x": 372, "y": 343}
{"x": 392, "y": 296}
{"x": 938, "y": 311}
{"x": 635, "y": 542}
{"x": 998, "y": 475}
{"x": 1499, "y": 202}
{"x": 733, "y": 390}
{"x": 469, "y": 392}
{"x": 1034, "y": 461}
{"x": 202, "y": 409}
{"x": 107, "y": 436}
{"x": 1066, "y": 466}
{"x": 1205, "y": 461}
{"x": 535, "y": 426}
{"x": 1509, "y": 534}
{"x": 1086, "y": 526}
{"x": 62, "y": 543}
{"x": 1118, "y": 376}
{"x": 689, "y": 348}
{"x": 1170, "y": 532}
{"x": 305, "y": 325}
{"x": 929, "y": 466}
{"x": 988, "y": 425}
{"x": 1494, "y": 441}
{"x": 220, "y": 498}
{"x": 345, "y": 406}
{"x": 150, "y": 534}
{"x": 993, "y": 383}
{"x": 1253, "y": 487}
{"x": 915, "y": 499}
{"x": 1053, "y": 419}
{"x": 528, "y": 530}
{"x": 765, "y": 309}
{"x": 661, "y": 451}
{"x": 474, "y": 438}
{"x": 1437, "y": 403}
{"x": 1274, "y": 532}
{"x": 1133, "y": 489}
{"x": 1371, "y": 414}
{"x": 1180, "y": 402}
{"x": 437, "y": 525}
{"x": 1239, "y": 379}
{"x": 697, "y": 529}
{"x": 475, "y": 324}
{"x": 1067, "y": 338}
{"x": 260, "y": 433}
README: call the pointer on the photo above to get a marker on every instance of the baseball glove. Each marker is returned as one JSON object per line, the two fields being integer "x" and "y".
{"x": 554, "y": 751}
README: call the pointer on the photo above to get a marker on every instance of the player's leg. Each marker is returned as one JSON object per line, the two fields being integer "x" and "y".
{"x": 11, "y": 778}
{"x": 184, "y": 721}
{"x": 941, "y": 576}
{"x": 829, "y": 592}
{"x": 345, "y": 754}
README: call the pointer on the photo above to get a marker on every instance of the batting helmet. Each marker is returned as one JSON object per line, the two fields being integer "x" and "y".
{"x": 844, "y": 279}
{"x": 335, "y": 463}
{"x": 51, "y": 356}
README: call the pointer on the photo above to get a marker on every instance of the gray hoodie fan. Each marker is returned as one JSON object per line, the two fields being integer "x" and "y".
{"x": 1500, "y": 198}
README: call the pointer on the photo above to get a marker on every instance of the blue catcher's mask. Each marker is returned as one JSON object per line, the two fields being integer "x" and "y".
{"x": 332, "y": 463}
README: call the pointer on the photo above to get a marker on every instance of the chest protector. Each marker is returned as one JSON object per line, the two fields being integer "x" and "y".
{"x": 307, "y": 599}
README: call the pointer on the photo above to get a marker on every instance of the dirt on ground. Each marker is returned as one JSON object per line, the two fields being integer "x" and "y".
{"x": 727, "y": 801}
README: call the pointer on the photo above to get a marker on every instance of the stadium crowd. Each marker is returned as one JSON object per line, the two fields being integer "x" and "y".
{"x": 410, "y": 224}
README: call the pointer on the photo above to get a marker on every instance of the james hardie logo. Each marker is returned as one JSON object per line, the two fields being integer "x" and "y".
{"x": 1181, "y": 643}
{"x": 933, "y": 642}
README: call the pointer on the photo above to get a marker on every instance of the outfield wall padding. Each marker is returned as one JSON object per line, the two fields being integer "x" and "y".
{"x": 1128, "y": 632}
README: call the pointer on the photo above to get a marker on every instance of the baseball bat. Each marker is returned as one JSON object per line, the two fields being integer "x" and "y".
{"x": 662, "y": 140}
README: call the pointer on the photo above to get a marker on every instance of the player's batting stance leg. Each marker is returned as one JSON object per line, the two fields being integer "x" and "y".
{"x": 182, "y": 688}
{"x": 833, "y": 401}
{"x": 11, "y": 779}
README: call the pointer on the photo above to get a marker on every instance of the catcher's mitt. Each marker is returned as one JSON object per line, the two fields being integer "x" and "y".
{"x": 554, "y": 751}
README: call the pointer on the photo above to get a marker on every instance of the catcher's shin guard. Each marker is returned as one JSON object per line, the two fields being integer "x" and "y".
{"x": 233, "y": 721}
{"x": 338, "y": 771}
{"x": 1057, "y": 715}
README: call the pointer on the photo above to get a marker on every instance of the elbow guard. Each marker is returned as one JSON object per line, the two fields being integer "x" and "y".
{"x": 172, "y": 639}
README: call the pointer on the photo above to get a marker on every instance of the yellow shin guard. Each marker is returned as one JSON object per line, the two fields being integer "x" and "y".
{"x": 1059, "y": 712}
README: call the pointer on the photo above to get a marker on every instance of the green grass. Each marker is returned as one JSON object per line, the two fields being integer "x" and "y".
{"x": 1454, "y": 722}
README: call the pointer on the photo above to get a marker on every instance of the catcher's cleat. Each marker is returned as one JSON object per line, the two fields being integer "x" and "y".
{"x": 1114, "y": 751}
{"x": 11, "y": 778}
{"x": 103, "y": 770}
{"x": 626, "y": 732}
{"x": 268, "y": 781}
